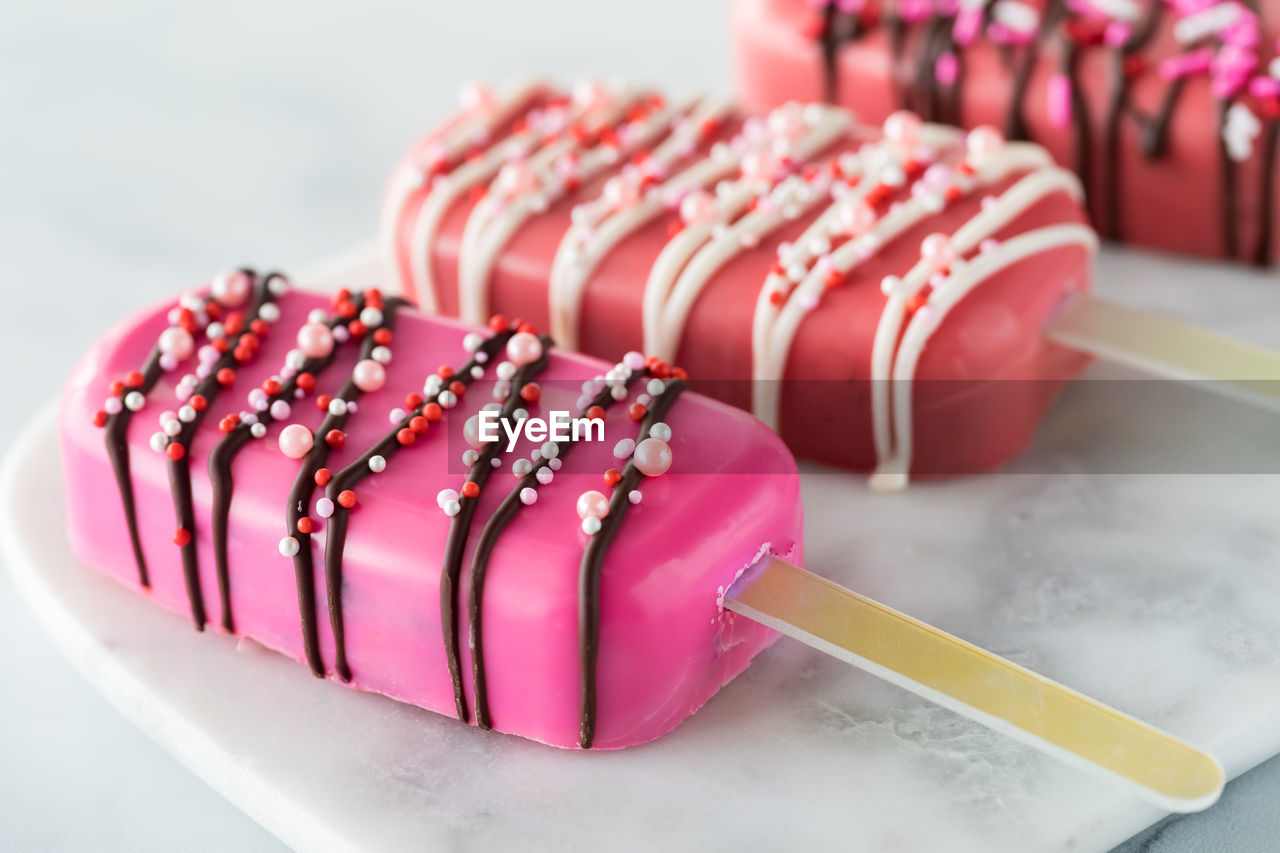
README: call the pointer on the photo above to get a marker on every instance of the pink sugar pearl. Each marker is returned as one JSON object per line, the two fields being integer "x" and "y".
{"x": 315, "y": 340}
{"x": 698, "y": 208}
{"x": 903, "y": 127}
{"x": 760, "y": 165}
{"x": 856, "y": 216}
{"x": 524, "y": 348}
{"x": 295, "y": 441}
{"x": 471, "y": 432}
{"x": 984, "y": 141}
{"x": 369, "y": 375}
{"x": 652, "y": 457}
{"x": 231, "y": 288}
{"x": 177, "y": 342}
{"x": 937, "y": 250}
{"x": 516, "y": 178}
{"x": 592, "y": 504}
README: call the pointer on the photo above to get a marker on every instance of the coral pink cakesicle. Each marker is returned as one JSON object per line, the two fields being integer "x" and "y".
{"x": 1168, "y": 110}
{"x": 313, "y": 474}
{"x": 876, "y": 294}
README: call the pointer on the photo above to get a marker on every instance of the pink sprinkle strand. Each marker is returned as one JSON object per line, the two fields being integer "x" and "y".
{"x": 947, "y": 69}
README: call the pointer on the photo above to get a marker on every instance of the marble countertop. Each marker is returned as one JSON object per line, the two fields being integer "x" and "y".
{"x": 146, "y": 144}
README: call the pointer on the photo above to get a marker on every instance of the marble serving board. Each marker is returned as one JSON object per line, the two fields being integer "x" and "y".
{"x": 1154, "y": 591}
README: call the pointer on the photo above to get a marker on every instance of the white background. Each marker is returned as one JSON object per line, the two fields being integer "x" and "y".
{"x": 144, "y": 145}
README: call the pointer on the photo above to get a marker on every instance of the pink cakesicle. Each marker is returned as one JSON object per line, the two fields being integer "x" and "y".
{"x": 782, "y": 258}
{"x": 299, "y": 472}
{"x": 1168, "y": 111}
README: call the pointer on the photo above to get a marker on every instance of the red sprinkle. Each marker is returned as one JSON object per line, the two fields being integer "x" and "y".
{"x": 323, "y": 476}
{"x": 406, "y": 436}
{"x": 612, "y": 477}
{"x": 498, "y": 323}
{"x": 175, "y": 451}
{"x": 134, "y": 379}
{"x": 432, "y": 412}
{"x": 470, "y": 489}
{"x": 412, "y": 400}
{"x": 221, "y": 344}
{"x": 99, "y": 418}
{"x": 346, "y": 498}
{"x": 323, "y": 401}
{"x": 260, "y": 328}
{"x": 306, "y": 525}
{"x": 527, "y": 327}
{"x": 335, "y": 438}
{"x": 458, "y": 387}
{"x": 234, "y": 324}
{"x": 226, "y": 376}
{"x": 271, "y": 386}
{"x": 182, "y": 537}
{"x": 357, "y": 328}
{"x": 198, "y": 402}
{"x": 306, "y": 382}
{"x": 228, "y": 423}
{"x": 419, "y": 425}
{"x": 116, "y": 388}
{"x": 382, "y": 337}
{"x": 530, "y": 393}
{"x": 595, "y": 413}
{"x": 679, "y": 373}
{"x": 373, "y": 297}
{"x": 243, "y": 354}
{"x": 343, "y": 295}
{"x": 637, "y": 411}
{"x": 346, "y": 308}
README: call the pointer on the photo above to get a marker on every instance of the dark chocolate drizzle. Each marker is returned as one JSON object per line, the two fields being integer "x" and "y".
{"x": 304, "y": 487}
{"x": 117, "y": 439}
{"x": 460, "y": 527}
{"x": 348, "y": 478}
{"x": 593, "y": 561}
{"x": 180, "y": 469}
{"x": 493, "y": 528}
{"x": 920, "y": 91}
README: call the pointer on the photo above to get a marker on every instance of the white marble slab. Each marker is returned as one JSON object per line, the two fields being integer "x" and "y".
{"x": 1153, "y": 592}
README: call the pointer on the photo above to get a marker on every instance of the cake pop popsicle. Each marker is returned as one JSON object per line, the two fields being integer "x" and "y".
{"x": 1168, "y": 111}
{"x": 582, "y": 589}
{"x": 878, "y": 295}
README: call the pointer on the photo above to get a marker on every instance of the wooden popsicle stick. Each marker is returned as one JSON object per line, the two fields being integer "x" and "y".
{"x": 1168, "y": 348}
{"x": 973, "y": 682}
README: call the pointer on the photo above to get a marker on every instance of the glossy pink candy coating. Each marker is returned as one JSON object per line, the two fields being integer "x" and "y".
{"x": 666, "y": 646}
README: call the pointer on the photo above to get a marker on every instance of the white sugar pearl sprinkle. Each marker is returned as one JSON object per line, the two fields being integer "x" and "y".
{"x": 159, "y": 441}
{"x": 377, "y": 464}
{"x": 550, "y": 450}
{"x": 444, "y": 496}
{"x": 324, "y": 507}
{"x": 521, "y": 414}
{"x": 295, "y": 358}
{"x": 506, "y": 370}
{"x": 134, "y": 400}
{"x": 186, "y": 414}
{"x": 660, "y": 431}
{"x": 477, "y": 372}
{"x": 618, "y": 392}
{"x": 496, "y": 462}
{"x": 279, "y": 285}
{"x": 447, "y": 399}
{"x": 258, "y": 430}
{"x": 172, "y": 427}
{"x": 521, "y": 467}
{"x": 555, "y": 464}
{"x": 397, "y": 415}
{"x": 371, "y": 317}
{"x": 289, "y": 546}
{"x": 452, "y": 508}
{"x": 591, "y": 525}
{"x": 655, "y": 387}
{"x": 623, "y": 449}
{"x": 472, "y": 342}
{"x": 545, "y": 475}
{"x": 381, "y": 354}
{"x": 528, "y": 495}
{"x": 634, "y": 496}
{"x": 317, "y": 315}
{"x": 337, "y": 407}
{"x": 469, "y": 457}
{"x": 269, "y": 312}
